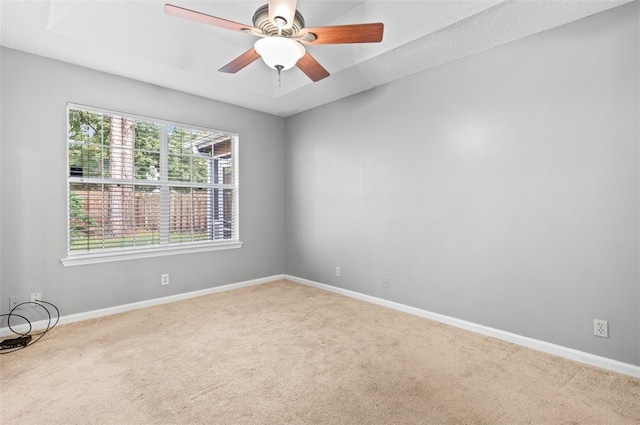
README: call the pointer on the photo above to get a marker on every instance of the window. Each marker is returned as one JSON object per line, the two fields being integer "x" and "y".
{"x": 140, "y": 185}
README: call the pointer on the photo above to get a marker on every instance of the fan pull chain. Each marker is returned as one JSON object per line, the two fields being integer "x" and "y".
{"x": 280, "y": 23}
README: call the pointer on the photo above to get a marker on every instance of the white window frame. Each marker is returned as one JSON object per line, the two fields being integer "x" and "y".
{"x": 120, "y": 254}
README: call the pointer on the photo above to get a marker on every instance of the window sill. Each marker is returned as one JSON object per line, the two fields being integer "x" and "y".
{"x": 108, "y": 257}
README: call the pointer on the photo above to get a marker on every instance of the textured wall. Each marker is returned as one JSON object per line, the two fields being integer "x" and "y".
{"x": 35, "y": 92}
{"x": 502, "y": 189}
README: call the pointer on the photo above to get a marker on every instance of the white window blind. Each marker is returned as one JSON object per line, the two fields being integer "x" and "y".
{"x": 136, "y": 183}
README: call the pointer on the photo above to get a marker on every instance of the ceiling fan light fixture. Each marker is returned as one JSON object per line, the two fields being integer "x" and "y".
{"x": 279, "y": 52}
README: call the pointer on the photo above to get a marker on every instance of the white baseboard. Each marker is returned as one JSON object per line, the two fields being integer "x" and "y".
{"x": 546, "y": 347}
{"x": 41, "y": 324}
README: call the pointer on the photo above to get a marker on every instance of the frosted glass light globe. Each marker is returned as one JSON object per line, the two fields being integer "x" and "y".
{"x": 279, "y": 51}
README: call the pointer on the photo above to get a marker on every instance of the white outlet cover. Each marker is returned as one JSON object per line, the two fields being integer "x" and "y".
{"x": 601, "y": 328}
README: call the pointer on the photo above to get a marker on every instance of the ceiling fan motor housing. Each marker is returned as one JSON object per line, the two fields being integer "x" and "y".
{"x": 263, "y": 23}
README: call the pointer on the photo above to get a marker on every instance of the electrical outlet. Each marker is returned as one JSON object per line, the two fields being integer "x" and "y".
{"x": 13, "y": 301}
{"x": 385, "y": 282}
{"x": 338, "y": 271}
{"x": 601, "y": 328}
{"x": 164, "y": 279}
{"x": 36, "y": 296}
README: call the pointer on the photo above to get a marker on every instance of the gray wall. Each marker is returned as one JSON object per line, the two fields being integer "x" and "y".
{"x": 35, "y": 91}
{"x": 502, "y": 189}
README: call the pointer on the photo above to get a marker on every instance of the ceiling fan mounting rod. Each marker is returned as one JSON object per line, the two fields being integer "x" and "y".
{"x": 280, "y": 23}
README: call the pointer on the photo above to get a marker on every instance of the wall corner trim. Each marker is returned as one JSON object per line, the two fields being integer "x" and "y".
{"x": 546, "y": 347}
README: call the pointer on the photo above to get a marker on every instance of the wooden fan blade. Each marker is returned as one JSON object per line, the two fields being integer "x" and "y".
{"x": 240, "y": 62}
{"x": 192, "y": 15}
{"x": 283, "y": 8}
{"x": 343, "y": 34}
{"x": 312, "y": 68}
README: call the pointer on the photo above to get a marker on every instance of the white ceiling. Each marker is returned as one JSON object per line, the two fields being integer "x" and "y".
{"x": 136, "y": 39}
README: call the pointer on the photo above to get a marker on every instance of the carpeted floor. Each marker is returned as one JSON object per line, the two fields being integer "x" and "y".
{"x": 283, "y": 353}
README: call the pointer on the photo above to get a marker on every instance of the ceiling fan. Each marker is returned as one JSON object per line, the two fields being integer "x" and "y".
{"x": 283, "y": 36}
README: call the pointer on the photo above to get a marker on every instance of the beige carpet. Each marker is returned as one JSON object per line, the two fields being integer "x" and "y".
{"x": 283, "y": 353}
